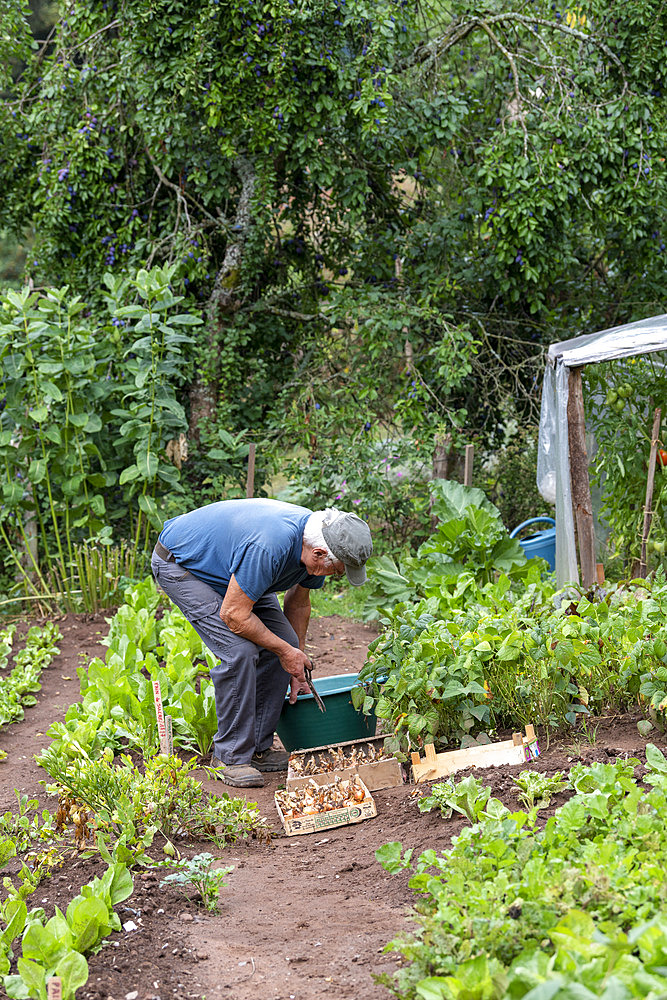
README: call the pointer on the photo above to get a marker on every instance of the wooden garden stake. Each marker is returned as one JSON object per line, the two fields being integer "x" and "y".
{"x": 54, "y": 988}
{"x": 250, "y": 485}
{"x": 650, "y": 479}
{"x": 169, "y": 726}
{"x": 467, "y": 469}
{"x": 581, "y": 487}
{"x": 441, "y": 455}
{"x": 442, "y": 451}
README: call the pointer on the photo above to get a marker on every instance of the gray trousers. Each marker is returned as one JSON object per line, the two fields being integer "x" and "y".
{"x": 250, "y": 684}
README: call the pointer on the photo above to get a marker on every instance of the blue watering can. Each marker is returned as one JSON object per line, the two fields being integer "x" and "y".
{"x": 542, "y": 544}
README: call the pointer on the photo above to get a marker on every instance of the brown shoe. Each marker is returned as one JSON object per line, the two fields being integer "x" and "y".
{"x": 237, "y": 775}
{"x": 270, "y": 760}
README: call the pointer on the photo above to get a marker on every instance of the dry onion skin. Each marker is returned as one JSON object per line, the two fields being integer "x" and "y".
{"x": 337, "y": 759}
{"x": 313, "y": 799}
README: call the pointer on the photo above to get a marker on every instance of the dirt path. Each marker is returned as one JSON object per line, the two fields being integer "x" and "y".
{"x": 303, "y": 918}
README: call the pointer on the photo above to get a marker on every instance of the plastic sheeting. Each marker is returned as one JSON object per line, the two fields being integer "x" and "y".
{"x": 553, "y": 452}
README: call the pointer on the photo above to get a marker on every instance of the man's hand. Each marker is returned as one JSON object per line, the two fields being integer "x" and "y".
{"x": 293, "y": 661}
{"x": 297, "y": 688}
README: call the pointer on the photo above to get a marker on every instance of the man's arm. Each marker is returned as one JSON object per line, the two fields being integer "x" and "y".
{"x": 296, "y": 606}
{"x": 237, "y": 614}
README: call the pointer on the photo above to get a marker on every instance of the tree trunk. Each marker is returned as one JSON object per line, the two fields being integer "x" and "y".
{"x": 224, "y": 300}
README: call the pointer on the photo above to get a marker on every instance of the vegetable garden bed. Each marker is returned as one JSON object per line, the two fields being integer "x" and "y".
{"x": 300, "y": 917}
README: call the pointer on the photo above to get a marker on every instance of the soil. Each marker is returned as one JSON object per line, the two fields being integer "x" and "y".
{"x": 301, "y": 918}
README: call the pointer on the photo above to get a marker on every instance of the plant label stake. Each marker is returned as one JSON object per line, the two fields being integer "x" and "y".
{"x": 159, "y": 714}
{"x": 530, "y": 746}
{"x": 170, "y": 733}
{"x": 54, "y": 988}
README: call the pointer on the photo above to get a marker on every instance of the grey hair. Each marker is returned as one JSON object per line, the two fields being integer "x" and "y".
{"x": 312, "y": 533}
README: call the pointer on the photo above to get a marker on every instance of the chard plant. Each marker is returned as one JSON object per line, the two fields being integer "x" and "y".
{"x": 117, "y": 709}
{"x": 468, "y": 797}
{"x": 536, "y": 790}
{"x": 57, "y": 947}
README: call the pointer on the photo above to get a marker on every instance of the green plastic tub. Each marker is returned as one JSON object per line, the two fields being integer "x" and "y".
{"x": 302, "y": 726}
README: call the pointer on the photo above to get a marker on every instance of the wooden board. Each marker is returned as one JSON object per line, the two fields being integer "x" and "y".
{"x": 440, "y": 765}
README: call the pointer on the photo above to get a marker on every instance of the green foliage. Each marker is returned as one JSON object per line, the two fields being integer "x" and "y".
{"x": 57, "y": 947}
{"x": 465, "y": 554}
{"x": 338, "y": 598}
{"x": 384, "y": 480}
{"x": 198, "y": 872}
{"x": 334, "y": 180}
{"x": 509, "y": 478}
{"x": 468, "y": 797}
{"x": 163, "y": 797}
{"x": 117, "y": 707}
{"x": 17, "y": 689}
{"x": 515, "y": 910}
{"x": 87, "y": 415}
{"x": 620, "y": 399}
{"x": 514, "y": 660}
{"x": 537, "y": 789}
{"x": 23, "y": 827}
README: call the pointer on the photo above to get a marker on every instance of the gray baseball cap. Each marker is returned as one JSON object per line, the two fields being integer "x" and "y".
{"x": 349, "y": 538}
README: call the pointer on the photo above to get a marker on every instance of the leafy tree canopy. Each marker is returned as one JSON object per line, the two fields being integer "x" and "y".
{"x": 335, "y": 178}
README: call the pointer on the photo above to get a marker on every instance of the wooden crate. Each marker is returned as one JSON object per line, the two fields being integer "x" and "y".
{"x": 354, "y": 813}
{"x": 518, "y": 750}
{"x": 385, "y": 773}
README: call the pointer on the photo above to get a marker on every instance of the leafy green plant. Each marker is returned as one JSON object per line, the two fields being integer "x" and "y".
{"x": 164, "y": 797}
{"x": 86, "y": 418}
{"x": 27, "y": 824}
{"x": 538, "y": 789}
{"x": 199, "y": 872}
{"x": 17, "y": 689}
{"x": 536, "y": 657}
{"x": 468, "y": 550}
{"x": 57, "y": 947}
{"x": 621, "y": 396}
{"x": 516, "y": 909}
{"x": 469, "y": 797}
{"x": 117, "y": 707}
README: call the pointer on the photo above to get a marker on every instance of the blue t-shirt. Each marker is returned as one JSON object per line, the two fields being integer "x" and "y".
{"x": 258, "y": 541}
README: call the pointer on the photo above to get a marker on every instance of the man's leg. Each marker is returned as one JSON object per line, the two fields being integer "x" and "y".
{"x": 249, "y": 682}
{"x": 272, "y": 680}
{"x": 234, "y": 677}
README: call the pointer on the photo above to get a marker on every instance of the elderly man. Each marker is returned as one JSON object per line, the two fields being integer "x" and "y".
{"x": 223, "y": 565}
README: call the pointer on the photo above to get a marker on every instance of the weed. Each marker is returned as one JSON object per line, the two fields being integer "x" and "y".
{"x": 537, "y": 790}
{"x": 199, "y": 872}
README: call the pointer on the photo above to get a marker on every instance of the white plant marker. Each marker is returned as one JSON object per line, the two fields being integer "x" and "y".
{"x": 54, "y": 988}
{"x": 159, "y": 714}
